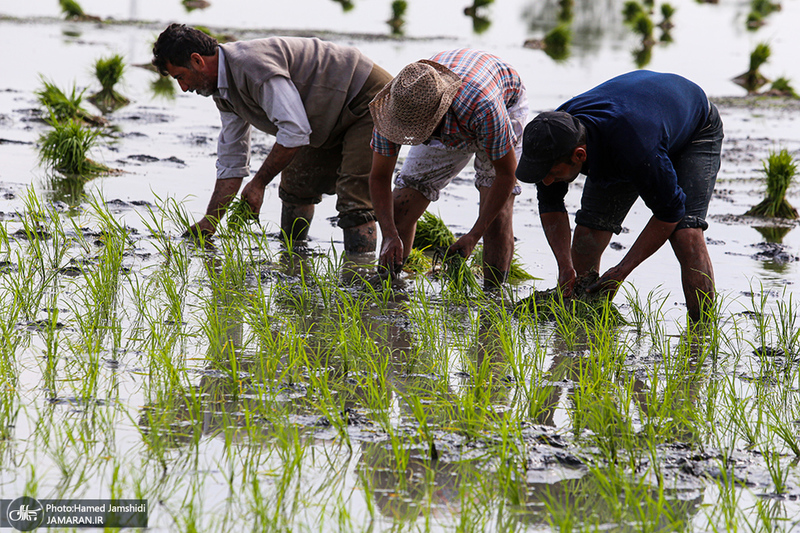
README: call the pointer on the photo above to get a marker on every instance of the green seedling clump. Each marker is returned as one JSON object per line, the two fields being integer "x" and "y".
{"x": 667, "y": 12}
{"x": 396, "y": 22}
{"x": 432, "y": 233}
{"x": 61, "y": 106}
{"x": 630, "y": 10}
{"x": 71, "y": 9}
{"x": 643, "y": 25}
{"x": 753, "y": 80}
{"x": 516, "y": 272}
{"x": 783, "y": 87}
{"x": 556, "y": 42}
{"x": 240, "y": 215}
{"x": 65, "y": 150}
{"x": 548, "y": 303}
{"x": 417, "y": 262}
{"x": 780, "y": 169}
{"x": 109, "y": 72}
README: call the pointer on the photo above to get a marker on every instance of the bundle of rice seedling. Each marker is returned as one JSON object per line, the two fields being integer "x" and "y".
{"x": 65, "y": 149}
{"x": 630, "y": 10}
{"x": 60, "y": 106}
{"x": 782, "y": 87}
{"x": 556, "y": 42}
{"x": 516, "y": 272}
{"x": 71, "y": 9}
{"x": 240, "y": 214}
{"x": 549, "y": 303}
{"x": 432, "y": 233}
{"x": 780, "y": 169}
{"x": 417, "y": 262}
{"x": 109, "y": 72}
{"x": 753, "y": 80}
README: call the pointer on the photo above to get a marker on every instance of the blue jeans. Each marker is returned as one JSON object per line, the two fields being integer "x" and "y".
{"x": 697, "y": 165}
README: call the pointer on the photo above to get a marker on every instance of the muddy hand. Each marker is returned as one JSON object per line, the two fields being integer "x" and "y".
{"x": 254, "y": 196}
{"x": 462, "y": 247}
{"x": 391, "y": 258}
{"x": 201, "y": 227}
{"x": 566, "y": 282}
{"x": 607, "y": 284}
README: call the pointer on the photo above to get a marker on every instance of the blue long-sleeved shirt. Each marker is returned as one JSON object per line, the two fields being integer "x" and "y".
{"x": 634, "y": 124}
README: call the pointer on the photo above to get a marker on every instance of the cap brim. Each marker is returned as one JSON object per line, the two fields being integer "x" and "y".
{"x": 529, "y": 171}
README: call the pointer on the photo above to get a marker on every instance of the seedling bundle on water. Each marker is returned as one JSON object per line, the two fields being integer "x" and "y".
{"x": 62, "y": 106}
{"x": 65, "y": 150}
{"x": 109, "y": 72}
{"x": 433, "y": 235}
{"x": 780, "y": 169}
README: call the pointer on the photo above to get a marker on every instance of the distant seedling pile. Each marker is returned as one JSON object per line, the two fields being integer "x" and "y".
{"x": 75, "y": 131}
{"x": 780, "y": 169}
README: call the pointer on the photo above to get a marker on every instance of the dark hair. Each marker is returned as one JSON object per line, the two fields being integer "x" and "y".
{"x": 176, "y": 45}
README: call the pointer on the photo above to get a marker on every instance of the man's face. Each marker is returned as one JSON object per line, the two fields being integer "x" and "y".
{"x": 192, "y": 79}
{"x": 563, "y": 173}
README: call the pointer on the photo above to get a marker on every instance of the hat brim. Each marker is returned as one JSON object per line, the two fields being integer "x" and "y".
{"x": 529, "y": 171}
{"x": 387, "y": 124}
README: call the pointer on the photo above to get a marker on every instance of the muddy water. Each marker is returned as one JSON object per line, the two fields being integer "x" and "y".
{"x": 165, "y": 149}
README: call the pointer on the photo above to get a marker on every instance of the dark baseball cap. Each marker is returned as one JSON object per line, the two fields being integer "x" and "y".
{"x": 547, "y": 138}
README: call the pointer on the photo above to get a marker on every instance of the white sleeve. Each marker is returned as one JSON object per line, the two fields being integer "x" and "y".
{"x": 233, "y": 147}
{"x": 282, "y": 104}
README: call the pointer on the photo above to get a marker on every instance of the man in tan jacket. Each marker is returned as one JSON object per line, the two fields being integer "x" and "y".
{"x": 313, "y": 96}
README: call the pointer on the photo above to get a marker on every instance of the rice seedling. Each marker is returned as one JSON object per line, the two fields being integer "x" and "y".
{"x": 667, "y": 12}
{"x": 783, "y": 87}
{"x": 432, "y": 233}
{"x": 631, "y": 9}
{"x": 397, "y": 21}
{"x": 71, "y": 9}
{"x": 753, "y": 80}
{"x": 275, "y": 392}
{"x": 557, "y": 41}
{"x": 65, "y": 149}
{"x": 347, "y": 5}
{"x": 163, "y": 87}
{"x": 109, "y": 72}
{"x": 643, "y": 25}
{"x": 760, "y": 10}
{"x": 61, "y": 106}
{"x": 239, "y": 215}
{"x": 780, "y": 169}
{"x": 566, "y": 11}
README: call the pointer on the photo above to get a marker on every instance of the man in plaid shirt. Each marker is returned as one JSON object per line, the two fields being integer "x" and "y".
{"x": 459, "y": 104}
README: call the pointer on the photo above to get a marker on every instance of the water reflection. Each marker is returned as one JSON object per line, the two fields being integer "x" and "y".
{"x": 405, "y": 484}
{"x": 397, "y": 21}
{"x": 476, "y": 11}
{"x": 69, "y": 190}
{"x": 163, "y": 87}
{"x": 347, "y": 5}
{"x": 191, "y": 5}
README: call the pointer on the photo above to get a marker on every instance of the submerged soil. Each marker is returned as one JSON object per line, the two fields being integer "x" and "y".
{"x": 239, "y": 413}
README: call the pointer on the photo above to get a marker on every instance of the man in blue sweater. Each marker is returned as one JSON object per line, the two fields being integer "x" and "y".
{"x": 642, "y": 134}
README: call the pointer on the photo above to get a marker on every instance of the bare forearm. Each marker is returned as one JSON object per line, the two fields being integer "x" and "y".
{"x": 652, "y": 237}
{"x": 380, "y": 191}
{"x": 224, "y": 191}
{"x": 559, "y": 237}
{"x": 278, "y": 159}
{"x": 498, "y": 194}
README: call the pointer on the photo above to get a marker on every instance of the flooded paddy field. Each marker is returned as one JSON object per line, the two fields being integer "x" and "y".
{"x": 243, "y": 386}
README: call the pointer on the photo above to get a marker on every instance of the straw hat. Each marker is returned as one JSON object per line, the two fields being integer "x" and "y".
{"x": 408, "y": 109}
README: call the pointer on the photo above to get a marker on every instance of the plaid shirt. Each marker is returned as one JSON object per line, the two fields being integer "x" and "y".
{"x": 478, "y": 116}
